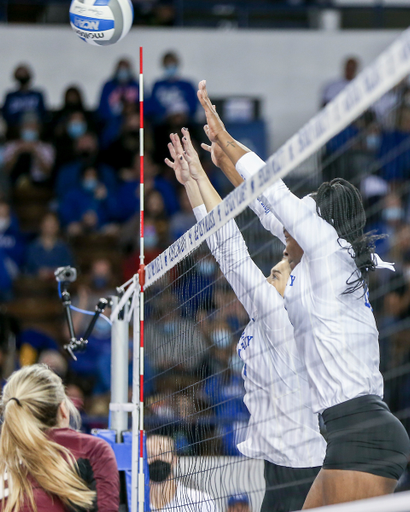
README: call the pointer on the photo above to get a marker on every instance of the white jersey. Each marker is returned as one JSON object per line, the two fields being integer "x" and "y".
{"x": 282, "y": 428}
{"x": 189, "y": 500}
{"x": 335, "y": 331}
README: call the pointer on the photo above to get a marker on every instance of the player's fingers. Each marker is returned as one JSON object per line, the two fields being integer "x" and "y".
{"x": 206, "y": 147}
{"x": 177, "y": 144}
{"x": 171, "y": 150}
{"x": 169, "y": 163}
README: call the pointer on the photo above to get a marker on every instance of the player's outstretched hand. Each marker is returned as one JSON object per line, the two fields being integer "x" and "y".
{"x": 214, "y": 122}
{"x": 218, "y": 156}
{"x": 178, "y": 162}
{"x": 191, "y": 156}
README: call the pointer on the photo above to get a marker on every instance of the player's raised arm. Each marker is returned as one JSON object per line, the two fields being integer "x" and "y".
{"x": 216, "y": 129}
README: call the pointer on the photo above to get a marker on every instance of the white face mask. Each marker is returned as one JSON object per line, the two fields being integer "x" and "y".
{"x": 4, "y": 223}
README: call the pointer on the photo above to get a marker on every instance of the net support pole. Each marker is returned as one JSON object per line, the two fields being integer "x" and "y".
{"x": 119, "y": 369}
{"x": 135, "y": 399}
{"x": 141, "y": 272}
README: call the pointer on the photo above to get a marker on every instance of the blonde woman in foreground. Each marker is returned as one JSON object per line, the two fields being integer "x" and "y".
{"x": 46, "y": 465}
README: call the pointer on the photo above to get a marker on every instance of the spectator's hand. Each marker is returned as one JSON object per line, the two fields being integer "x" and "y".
{"x": 100, "y": 192}
{"x": 213, "y": 120}
{"x": 90, "y": 219}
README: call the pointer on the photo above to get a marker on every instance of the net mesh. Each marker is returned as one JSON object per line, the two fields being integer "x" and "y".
{"x": 197, "y": 311}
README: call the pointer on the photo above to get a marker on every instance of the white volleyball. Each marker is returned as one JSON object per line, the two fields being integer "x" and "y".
{"x": 101, "y": 22}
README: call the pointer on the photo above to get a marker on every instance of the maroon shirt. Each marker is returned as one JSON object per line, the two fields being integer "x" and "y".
{"x": 98, "y": 468}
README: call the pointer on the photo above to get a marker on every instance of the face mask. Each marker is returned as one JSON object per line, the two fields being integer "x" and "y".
{"x": 29, "y": 135}
{"x": 373, "y": 141}
{"x": 171, "y": 70}
{"x": 4, "y": 223}
{"x": 170, "y": 328}
{"x": 159, "y": 470}
{"x": 76, "y": 128}
{"x": 23, "y": 80}
{"x": 150, "y": 237}
{"x": 90, "y": 184}
{"x": 123, "y": 75}
{"x": 392, "y": 214}
{"x": 206, "y": 267}
{"x": 221, "y": 338}
{"x": 100, "y": 282}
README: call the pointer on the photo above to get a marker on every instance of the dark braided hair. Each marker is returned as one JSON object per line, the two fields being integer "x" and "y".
{"x": 339, "y": 203}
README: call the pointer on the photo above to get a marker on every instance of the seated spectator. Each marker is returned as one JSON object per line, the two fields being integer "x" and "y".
{"x": 172, "y": 93}
{"x": 86, "y": 153}
{"x": 166, "y": 492}
{"x": 73, "y": 102}
{"x": 394, "y": 151}
{"x": 121, "y": 152}
{"x": 332, "y": 89}
{"x": 99, "y": 282}
{"x": 11, "y": 239}
{"x": 121, "y": 91}
{"x": 31, "y": 342}
{"x": 74, "y": 126}
{"x": 28, "y": 159}
{"x": 55, "y": 361}
{"x": 86, "y": 208}
{"x": 24, "y": 100}
{"x": 49, "y": 251}
{"x": 9, "y": 330}
{"x": 238, "y": 503}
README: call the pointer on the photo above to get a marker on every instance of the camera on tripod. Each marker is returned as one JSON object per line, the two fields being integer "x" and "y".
{"x": 66, "y": 274}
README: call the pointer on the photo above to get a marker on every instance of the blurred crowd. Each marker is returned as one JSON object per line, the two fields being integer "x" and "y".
{"x": 69, "y": 195}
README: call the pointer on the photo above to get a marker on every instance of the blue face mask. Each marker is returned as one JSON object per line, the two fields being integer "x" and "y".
{"x": 221, "y": 338}
{"x": 29, "y": 135}
{"x": 373, "y": 141}
{"x": 171, "y": 71}
{"x": 150, "y": 237}
{"x": 76, "y": 129}
{"x": 206, "y": 267}
{"x": 123, "y": 75}
{"x": 90, "y": 184}
{"x": 393, "y": 213}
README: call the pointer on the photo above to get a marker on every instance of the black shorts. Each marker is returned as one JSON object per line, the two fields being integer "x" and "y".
{"x": 286, "y": 488}
{"x": 363, "y": 435}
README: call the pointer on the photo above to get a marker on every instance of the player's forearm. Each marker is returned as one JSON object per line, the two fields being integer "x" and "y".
{"x": 210, "y": 196}
{"x": 231, "y": 147}
{"x": 193, "y": 193}
{"x": 229, "y": 169}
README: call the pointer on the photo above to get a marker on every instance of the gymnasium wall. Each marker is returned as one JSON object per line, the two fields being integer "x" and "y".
{"x": 284, "y": 68}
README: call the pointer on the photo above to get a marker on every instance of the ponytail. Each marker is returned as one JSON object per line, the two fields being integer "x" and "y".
{"x": 31, "y": 401}
{"x": 339, "y": 203}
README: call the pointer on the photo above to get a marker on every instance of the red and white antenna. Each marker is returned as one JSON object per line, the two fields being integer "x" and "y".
{"x": 141, "y": 272}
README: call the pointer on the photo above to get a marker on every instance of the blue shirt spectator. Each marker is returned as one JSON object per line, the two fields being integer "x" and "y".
{"x": 172, "y": 95}
{"x": 86, "y": 154}
{"x": 117, "y": 96}
{"x": 86, "y": 207}
{"x": 48, "y": 252}
{"x": 23, "y": 100}
{"x": 11, "y": 240}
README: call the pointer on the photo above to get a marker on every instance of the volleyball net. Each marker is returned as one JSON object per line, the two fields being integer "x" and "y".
{"x": 203, "y": 293}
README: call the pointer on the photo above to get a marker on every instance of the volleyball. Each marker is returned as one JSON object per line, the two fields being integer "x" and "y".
{"x": 101, "y": 22}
